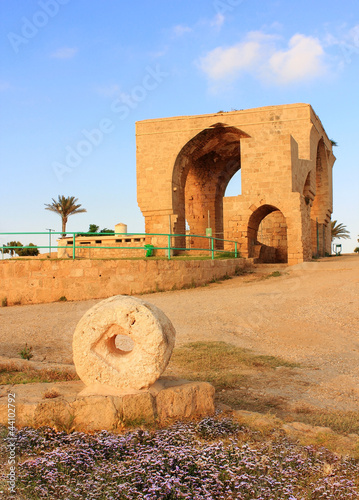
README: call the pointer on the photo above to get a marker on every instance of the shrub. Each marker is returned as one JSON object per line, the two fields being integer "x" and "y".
{"x": 26, "y": 352}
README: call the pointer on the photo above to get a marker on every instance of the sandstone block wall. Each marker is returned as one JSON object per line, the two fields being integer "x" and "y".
{"x": 38, "y": 281}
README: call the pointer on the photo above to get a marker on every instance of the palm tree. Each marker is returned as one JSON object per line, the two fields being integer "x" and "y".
{"x": 65, "y": 207}
{"x": 339, "y": 231}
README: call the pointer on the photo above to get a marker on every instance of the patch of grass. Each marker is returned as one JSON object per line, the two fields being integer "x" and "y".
{"x": 243, "y": 399}
{"x": 220, "y": 355}
{"x": 227, "y": 255}
{"x": 222, "y": 278}
{"x": 63, "y": 299}
{"x": 274, "y": 274}
{"x": 344, "y": 422}
{"x": 189, "y": 285}
{"x": 10, "y": 373}
{"x": 65, "y": 425}
{"x": 241, "y": 271}
{"x": 4, "y": 302}
{"x": 220, "y": 363}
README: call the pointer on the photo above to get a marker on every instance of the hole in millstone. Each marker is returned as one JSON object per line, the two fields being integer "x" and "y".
{"x": 114, "y": 343}
{"x": 124, "y": 343}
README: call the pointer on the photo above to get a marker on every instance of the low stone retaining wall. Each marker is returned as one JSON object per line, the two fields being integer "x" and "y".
{"x": 39, "y": 281}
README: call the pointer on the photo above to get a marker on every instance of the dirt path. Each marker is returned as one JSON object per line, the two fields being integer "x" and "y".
{"x": 308, "y": 314}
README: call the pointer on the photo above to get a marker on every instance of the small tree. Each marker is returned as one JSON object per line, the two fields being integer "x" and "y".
{"x": 28, "y": 252}
{"x": 93, "y": 228}
{"x": 65, "y": 207}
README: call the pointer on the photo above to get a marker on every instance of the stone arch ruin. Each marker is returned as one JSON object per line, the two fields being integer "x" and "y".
{"x": 184, "y": 165}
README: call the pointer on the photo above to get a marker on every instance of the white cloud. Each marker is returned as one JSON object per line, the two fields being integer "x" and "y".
{"x": 218, "y": 21}
{"x": 111, "y": 90}
{"x": 260, "y": 56}
{"x": 64, "y": 53}
{"x": 302, "y": 61}
{"x": 180, "y": 30}
{"x": 229, "y": 62}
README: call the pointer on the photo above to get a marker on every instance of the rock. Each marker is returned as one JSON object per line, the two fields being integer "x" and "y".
{"x": 97, "y": 358}
{"x": 184, "y": 400}
{"x": 94, "y": 413}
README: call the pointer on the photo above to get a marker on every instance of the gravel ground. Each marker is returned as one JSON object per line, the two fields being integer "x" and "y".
{"x": 309, "y": 314}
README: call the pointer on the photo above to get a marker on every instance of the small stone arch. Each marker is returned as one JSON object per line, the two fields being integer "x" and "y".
{"x": 267, "y": 235}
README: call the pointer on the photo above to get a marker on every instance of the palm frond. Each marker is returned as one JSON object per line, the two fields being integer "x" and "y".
{"x": 339, "y": 231}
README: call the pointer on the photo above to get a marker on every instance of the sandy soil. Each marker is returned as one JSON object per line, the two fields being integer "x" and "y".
{"x": 309, "y": 314}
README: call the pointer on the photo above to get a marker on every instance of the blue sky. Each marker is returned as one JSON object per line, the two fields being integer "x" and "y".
{"x": 75, "y": 70}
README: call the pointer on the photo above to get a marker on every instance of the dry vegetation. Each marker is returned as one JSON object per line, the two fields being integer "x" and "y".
{"x": 11, "y": 373}
{"x": 233, "y": 371}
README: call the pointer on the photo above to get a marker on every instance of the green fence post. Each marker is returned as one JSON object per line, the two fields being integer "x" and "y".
{"x": 212, "y": 248}
{"x": 74, "y": 248}
{"x": 235, "y": 249}
{"x": 169, "y": 247}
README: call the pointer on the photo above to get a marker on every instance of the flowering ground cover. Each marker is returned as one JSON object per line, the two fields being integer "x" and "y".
{"x": 215, "y": 458}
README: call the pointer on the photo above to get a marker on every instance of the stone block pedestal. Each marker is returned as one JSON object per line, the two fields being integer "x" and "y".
{"x": 94, "y": 408}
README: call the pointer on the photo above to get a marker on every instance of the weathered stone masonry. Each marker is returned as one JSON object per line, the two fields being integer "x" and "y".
{"x": 184, "y": 165}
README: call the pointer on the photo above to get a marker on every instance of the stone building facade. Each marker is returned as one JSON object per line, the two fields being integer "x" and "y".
{"x": 185, "y": 163}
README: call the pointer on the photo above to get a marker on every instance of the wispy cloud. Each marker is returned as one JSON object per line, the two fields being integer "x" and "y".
{"x": 64, "y": 53}
{"x": 111, "y": 90}
{"x": 259, "y": 54}
{"x": 218, "y": 20}
{"x": 347, "y": 40}
{"x": 181, "y": 30}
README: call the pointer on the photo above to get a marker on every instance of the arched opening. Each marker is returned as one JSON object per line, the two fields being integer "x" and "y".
{"x": 267, "y": 235}
{"x": 234, "y": 187}
{"x": 202, "y": 172}
{"x": 318, "y": 212}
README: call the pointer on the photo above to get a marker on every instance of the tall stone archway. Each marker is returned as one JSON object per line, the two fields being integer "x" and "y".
{"x": 201, "y": 173}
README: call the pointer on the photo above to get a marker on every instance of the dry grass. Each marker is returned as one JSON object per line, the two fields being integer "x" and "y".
{"x": 51, "y": 394}
{"x": 230, "y": 370}
{"x": 346, "y": 422}
{"x": 220, "y": 363}
{"x": 234, "y": 373}
{"x": 10, "y": 373}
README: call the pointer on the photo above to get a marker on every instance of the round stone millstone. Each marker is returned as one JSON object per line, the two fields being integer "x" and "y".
{"x": 97, "y": 358}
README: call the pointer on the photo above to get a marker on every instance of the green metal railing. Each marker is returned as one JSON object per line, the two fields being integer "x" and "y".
{"x": 169, "y": 248}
